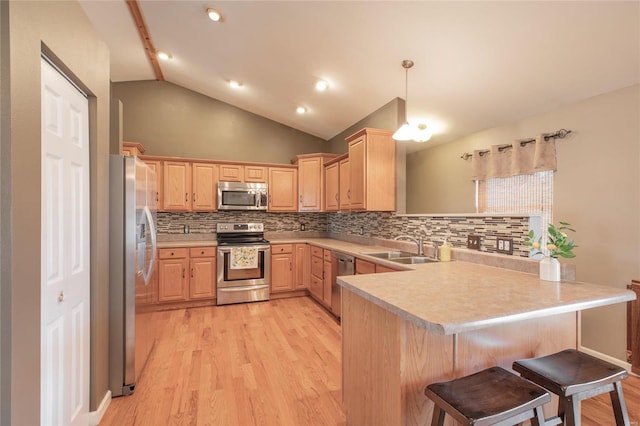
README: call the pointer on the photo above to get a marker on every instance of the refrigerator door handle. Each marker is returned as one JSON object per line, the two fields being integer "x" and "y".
{"x": 152, "y": 228}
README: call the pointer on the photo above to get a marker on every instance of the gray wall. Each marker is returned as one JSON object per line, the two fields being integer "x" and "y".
{"x": 64, "y": 29}
{"x": 439, "y": 181}
{"x": 5, "y": 225}
{"x": 388, "y": 117}
{"x": 596, "y": 189}
{"x": 170, "y": 120}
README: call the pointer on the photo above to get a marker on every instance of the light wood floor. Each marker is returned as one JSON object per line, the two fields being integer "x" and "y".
{"x": 268, "y": 363}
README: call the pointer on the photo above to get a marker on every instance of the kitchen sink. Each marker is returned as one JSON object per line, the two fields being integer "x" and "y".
{"x": 389, "y": 254}
{"x": 413, "y": 260}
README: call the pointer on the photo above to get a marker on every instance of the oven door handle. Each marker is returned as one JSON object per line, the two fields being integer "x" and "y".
{"x": 243, "y": 288}
{"x": 227, "y": 249}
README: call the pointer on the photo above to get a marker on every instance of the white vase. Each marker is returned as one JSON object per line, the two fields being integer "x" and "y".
{"x": 550, "y": 269}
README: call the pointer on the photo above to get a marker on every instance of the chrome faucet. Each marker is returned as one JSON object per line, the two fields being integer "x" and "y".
{"x": 418, "y": 241}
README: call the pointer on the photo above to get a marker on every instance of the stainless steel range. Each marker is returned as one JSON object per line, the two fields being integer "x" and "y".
{"x": 244, "y": 263}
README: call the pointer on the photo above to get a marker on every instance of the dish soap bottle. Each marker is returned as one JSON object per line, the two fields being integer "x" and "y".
{"x": 445, "y": 251}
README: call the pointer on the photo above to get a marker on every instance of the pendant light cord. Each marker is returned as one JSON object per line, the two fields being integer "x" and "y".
{"x": 406, "y": 64}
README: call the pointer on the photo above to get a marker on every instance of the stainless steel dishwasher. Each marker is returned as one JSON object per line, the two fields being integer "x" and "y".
{"x": 346, "y": 266}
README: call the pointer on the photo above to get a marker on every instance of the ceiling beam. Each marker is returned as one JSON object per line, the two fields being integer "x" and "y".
{"x": 136, "y": 13}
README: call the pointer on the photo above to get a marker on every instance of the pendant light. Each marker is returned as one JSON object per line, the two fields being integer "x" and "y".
{"x": 407, "y": 132}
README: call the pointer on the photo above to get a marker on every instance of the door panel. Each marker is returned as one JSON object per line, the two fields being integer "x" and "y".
{"x": 65, "y": 243}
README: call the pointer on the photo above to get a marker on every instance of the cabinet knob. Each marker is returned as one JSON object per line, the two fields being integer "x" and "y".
{"x": 186, "y": 197}
{"x": 172, "y": 253}
{"x": 61, "y": 297}
{"x": 202, "y": 252}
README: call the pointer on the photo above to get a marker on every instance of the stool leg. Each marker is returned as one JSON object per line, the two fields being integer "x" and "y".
{"x": 438, "y": 416}
{"x": 619, "y": 407}
{"x": 538, "y": 419}
{"x": 572, "y": 412}
{"x": 562, "y": 407}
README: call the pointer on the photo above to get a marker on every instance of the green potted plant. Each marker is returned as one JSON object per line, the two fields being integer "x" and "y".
{"x": 558, "y": 245}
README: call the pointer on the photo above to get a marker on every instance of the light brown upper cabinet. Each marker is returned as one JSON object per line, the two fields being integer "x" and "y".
{"x": 283, "y": 189}
{"x": 332, "y": 187}
{"x": 231, "y": 173}
{"x": 189, "y": 186}
{"x": 310, "y": 181}
{"x": 242, "y": 173}
{"x": 177, "y": 186}
{"x": 345, "y": 176}
{"x": 205, "y": 187}
{"x": 132, "y": 148}
{"x": 256, "y": 174}
{"x": 156, "y": 166}
{"x": 372, "y": 170}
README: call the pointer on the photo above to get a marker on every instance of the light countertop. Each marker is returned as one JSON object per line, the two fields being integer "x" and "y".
{"x": 453, "y": 297}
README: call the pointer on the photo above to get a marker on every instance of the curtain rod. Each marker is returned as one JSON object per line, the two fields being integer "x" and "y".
{"x": 560, "y": 134}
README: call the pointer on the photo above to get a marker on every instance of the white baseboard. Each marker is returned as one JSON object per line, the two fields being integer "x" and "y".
{"x": 96, "y": 416}
{"x": 608, "y": 358}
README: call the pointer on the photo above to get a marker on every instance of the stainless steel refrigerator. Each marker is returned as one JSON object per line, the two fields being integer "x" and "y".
{"x": 132, "y": 251}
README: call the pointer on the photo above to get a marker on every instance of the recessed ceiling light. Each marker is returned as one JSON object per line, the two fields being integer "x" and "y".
{"x": 165, "y": 56}
{"x": 301, "y": 110}
{"x": 322, "y": 85}
{"x": 235, "y": 84}
{"x": 214, "y": 15}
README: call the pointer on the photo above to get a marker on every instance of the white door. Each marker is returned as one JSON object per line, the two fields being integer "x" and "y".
{"x": 64, "y": 252}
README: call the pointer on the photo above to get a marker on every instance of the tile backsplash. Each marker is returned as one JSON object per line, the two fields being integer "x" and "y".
{"x": 205, "y": 222}
{"x": 373, "y": 224}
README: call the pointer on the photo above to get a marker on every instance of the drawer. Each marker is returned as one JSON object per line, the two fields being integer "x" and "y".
{"x": 316, "y": 267}
{"x": 317, "y": 286}
{"x": 172, "y": 253}
{"x": 202, "y": 252}
{"x": 281, "y": 248}
{"x": 327, "y": 255}
{"x": 316, "y": 251}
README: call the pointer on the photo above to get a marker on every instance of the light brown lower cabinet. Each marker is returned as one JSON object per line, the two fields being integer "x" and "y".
{"x": 329, "y": 270}
{"x": 317, "y": 273}
{"x": 282, "y": 267}
{"x": 202, "y": 279}
{"x": 303, "y": 267}
{"x": 186, "y": 274}
{"x": 366, "y": 267}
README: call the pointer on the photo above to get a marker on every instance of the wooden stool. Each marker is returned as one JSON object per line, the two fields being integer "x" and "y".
{"x": 574, "y": 376}
{"x": 490, "y": 397}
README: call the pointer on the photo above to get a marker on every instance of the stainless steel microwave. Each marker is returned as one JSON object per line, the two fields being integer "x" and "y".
{"x": 242, "y": 196}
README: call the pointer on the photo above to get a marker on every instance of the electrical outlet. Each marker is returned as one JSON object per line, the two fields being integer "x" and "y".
{"x": 361, "y": 230}
{"x": 473, "y": 242}
{"x": 504, "y": 245}
{"x": 303, "y": 227}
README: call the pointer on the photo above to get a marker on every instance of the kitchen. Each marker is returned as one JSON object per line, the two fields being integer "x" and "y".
{"x": 608, "y": 234}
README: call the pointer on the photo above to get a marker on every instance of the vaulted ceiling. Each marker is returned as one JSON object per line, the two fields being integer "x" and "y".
{"x": 477, "y": 64}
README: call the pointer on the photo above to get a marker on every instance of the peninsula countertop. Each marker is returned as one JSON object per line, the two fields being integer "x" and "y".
{"x": 454, "y": 297}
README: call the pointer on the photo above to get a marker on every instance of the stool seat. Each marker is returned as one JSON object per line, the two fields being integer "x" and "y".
{"x": 574, "y": 376}
{"x": 490, "y": 397}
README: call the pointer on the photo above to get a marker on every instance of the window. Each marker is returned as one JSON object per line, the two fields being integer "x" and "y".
{"x": 531, "y": 194}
